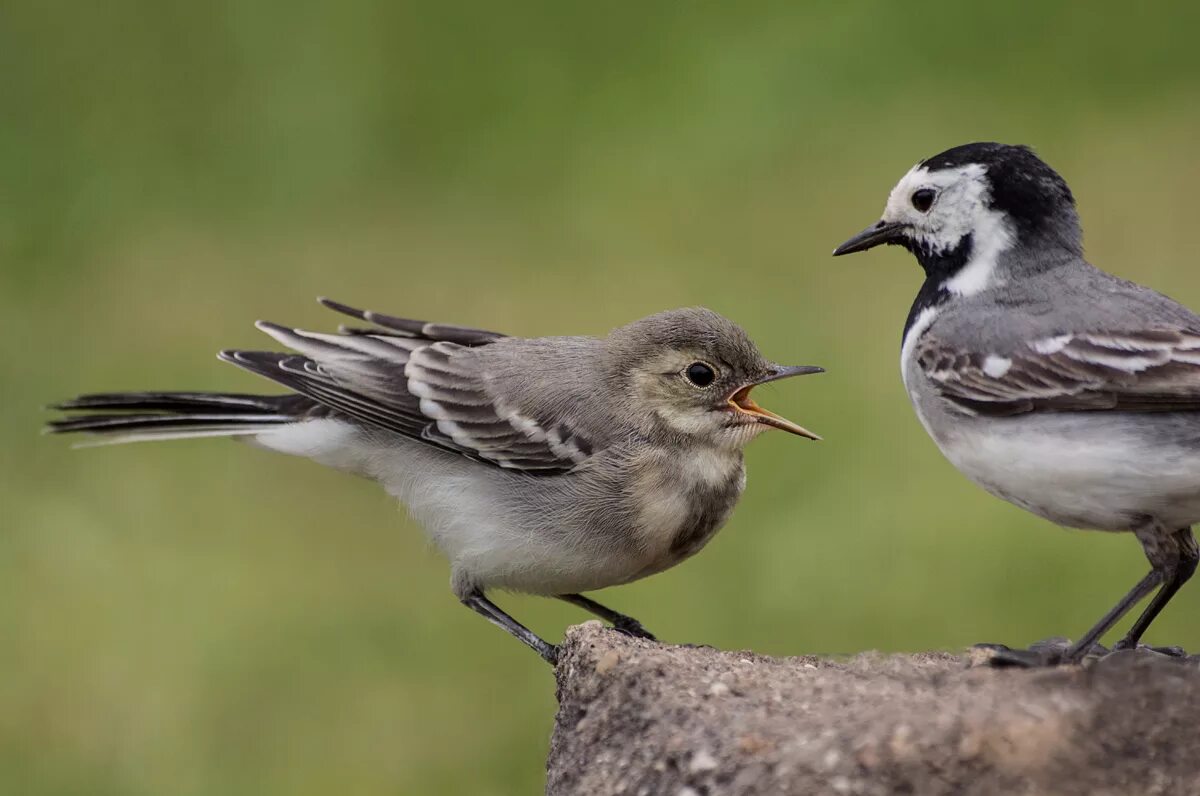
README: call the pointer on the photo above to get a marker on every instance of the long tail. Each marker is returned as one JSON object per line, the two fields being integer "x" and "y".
{"x": 139, "y": 416}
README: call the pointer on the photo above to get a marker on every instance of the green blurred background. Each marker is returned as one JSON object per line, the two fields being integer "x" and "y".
{"x": 206, "y": 618}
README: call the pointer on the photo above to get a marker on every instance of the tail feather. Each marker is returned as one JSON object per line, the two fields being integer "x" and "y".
{"x": 138, "y": 416}
{"x": 174, "y": 401}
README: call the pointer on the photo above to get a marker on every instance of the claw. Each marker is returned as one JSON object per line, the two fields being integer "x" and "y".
{"x": 1171, "y": 651}
{"x": 1000, "y": 656}
{"x": 1055, "y": 651}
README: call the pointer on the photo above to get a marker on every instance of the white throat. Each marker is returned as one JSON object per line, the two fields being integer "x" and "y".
{"x": 991, "y": 237}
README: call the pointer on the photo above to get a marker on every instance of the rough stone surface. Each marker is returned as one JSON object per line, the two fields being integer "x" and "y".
{"x": 637, "y": 717}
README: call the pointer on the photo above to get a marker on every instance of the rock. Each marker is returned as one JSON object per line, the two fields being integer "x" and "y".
{"x": 607, "y": 661}
{"x": 702, "y": 761}
{"x": 681, "y": 720}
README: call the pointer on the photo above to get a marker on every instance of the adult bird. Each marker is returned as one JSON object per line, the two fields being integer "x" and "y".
{"x": 551, "y": 466}
{"x": 1053, "y": 385}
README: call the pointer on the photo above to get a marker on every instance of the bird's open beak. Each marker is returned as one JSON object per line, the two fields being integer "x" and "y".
{"x": 742, "y": 403}
{"x": 878, "y": 233}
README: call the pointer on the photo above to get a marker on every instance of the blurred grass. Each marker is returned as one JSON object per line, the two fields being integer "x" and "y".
{"x": 208, "y": 618}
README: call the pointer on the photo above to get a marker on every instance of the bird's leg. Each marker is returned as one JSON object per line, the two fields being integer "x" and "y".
{"x": 1179, "y": 557}
{"x": 1173, "y": 558}
{"x": 1077, "y": 651}
{"x": 477, "y": 602}
{"x": 625, "y": 624}
{"x": 1052, "y": 655}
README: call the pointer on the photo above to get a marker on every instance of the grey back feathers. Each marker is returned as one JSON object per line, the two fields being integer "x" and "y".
{"x": 1075, "y": 297}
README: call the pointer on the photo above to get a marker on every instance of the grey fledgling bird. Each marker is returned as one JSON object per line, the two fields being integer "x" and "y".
{"x": 551, "y": 466}
{"x": 1053, "y": 385}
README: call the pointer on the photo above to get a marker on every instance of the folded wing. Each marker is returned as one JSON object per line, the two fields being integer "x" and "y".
{"x": 426, "y": 381}
{"x": 1148, "y": 370}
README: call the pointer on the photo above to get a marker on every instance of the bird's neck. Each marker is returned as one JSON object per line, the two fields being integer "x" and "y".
{"x": 931, "y": 296}
{"x": 978, "y": 265}
{"x": 941, "y": 266}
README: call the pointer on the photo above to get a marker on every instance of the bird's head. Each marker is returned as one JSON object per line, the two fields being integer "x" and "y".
{"x": 958, "y": 211}
{"x": 689, "y": 372}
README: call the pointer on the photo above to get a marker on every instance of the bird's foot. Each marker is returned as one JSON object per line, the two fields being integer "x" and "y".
{"x": 1169, "y": 651}
{"x": 1059, "y": 651}
{"x": 1055, "y": 651}
{"x": 632, "y": 627}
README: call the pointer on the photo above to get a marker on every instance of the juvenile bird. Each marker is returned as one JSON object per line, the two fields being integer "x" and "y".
{"x": 1053, "y": 385}
{"x": 551, "y": 466}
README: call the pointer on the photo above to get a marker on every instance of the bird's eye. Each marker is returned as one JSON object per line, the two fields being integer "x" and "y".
{"x": 700, "y": 374}
{"x": 923, "y": 199}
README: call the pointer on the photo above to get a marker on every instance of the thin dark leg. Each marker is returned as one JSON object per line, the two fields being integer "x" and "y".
{"x": 1185, "y": 566}
{"x": 491, "y": 612}
{"x": 621, "y": 622}
{"x": 1003, "y": 656}
{"x": 1173, "y": 556}
{"x": 1077, "y": 651}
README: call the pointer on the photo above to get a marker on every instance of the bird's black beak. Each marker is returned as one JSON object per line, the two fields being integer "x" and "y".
{"x": 878, "y": 233}
{"x": 787, "y": 371}
{"x": 741, "y": 401}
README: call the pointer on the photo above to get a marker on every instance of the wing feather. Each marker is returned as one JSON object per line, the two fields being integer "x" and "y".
{"x": 1148, "y": 370}
{"x": 424, "y": 380}
{"x": 408, "y": 327}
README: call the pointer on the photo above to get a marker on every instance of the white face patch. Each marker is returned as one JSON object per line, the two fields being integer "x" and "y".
{"x": 689, "y": 420}
{"x": 959, "y": 209}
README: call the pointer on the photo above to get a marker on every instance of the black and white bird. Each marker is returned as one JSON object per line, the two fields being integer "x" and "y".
{"x": 550, "y": 466}
{"x": 1053, "y": 385}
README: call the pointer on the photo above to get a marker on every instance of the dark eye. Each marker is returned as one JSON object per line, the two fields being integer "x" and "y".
{"x": 923, "y": 199}
{"x": 700, "y": 374}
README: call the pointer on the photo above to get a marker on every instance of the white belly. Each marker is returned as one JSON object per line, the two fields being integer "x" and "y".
{"x": 471, "y": 513}
{"x": 536, "y": 536}
{"x": 1058, "y": 467}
